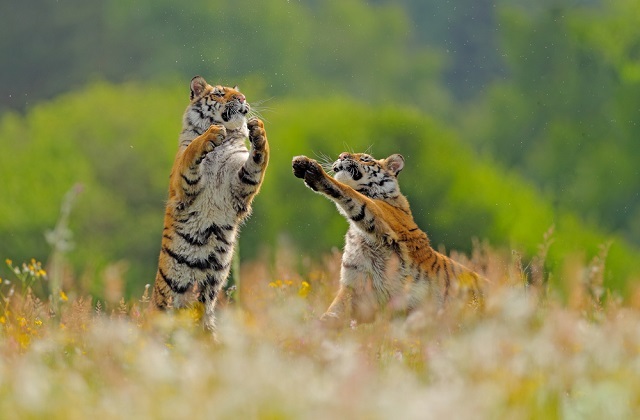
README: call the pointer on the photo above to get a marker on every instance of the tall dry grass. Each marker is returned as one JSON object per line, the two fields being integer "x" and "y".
{"x": 530, "y": 354}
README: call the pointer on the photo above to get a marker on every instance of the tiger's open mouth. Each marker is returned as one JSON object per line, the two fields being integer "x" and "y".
{"x": 235, "y": 108}
{"x": 348, "y": 166}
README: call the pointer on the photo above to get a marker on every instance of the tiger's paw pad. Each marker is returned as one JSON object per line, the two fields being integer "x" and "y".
{"x": 300, "y": 164}
{"x": 257, "y": 134}
{"x": 314, "y": 172}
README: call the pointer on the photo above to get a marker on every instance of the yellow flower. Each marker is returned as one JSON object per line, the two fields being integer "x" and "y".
{"x": 63, "y": 296}
{"x": 2, "y": 320}
{"x": 8, "y": 261}
{"x": 41, "y": 273}
{"x": 304, "y": 289}
{"x": 38, "y": 322}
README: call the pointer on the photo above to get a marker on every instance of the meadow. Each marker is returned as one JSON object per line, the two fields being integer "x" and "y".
{"x": 529, "y": 354}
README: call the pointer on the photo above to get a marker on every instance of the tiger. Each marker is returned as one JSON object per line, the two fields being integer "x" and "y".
{"x": 212, "y": 184}
{"x": 388, "y": 261}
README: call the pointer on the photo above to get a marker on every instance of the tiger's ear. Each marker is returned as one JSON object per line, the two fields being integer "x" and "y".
{"x": 198, "y": 84}
{"x": 394, "y": 164}
{"x": 235, "y": 87}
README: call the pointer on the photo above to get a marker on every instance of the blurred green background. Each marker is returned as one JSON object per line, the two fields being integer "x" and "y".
{"x": 513, "y": 117}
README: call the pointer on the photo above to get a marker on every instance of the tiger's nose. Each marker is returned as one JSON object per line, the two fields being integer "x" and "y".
{"x": 343, "y": 156}
{"x": 240, "y": 97}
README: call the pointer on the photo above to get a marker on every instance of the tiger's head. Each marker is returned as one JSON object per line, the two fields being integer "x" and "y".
{"x": 215, "y": 105}
{"x": 371, "y": 177}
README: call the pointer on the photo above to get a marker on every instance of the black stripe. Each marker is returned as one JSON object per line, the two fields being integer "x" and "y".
{"x": 244, "y": 177}
{"x": 333, "y": 192}
{"x": 240, "y": 208}
{"x": 191, "y": 182}
{"x": 221, "y": 249}
{"x": 180, "y": 289}
{"x": 371, "y": 226}
{"x": 217, "y": 231}
{"x": 257, "y": 158}
{"x": 191, "y": 240}
{"x": 193, "y": 194}
{"x": 181, "y": 259}
{"x": 210, "y": 290}
{"x": 358, "y": 217}
{"x": 210, "y": 262}
{"x": 202, "y": 237}
{"x": 447, "y": 282}
{"x": 215, "y": 263}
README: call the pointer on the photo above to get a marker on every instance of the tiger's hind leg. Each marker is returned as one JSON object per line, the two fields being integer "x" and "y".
{"x": 208, "y": 296}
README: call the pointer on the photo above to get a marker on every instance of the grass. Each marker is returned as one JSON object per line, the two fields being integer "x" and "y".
{"x": 531, "y": 354}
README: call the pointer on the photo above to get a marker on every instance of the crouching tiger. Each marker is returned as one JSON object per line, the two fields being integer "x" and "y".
{"x": 387, "y": 259}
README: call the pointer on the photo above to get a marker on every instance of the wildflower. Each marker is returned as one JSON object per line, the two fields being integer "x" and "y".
{"x": 41, "y": 273}
{"x": 304, "y": 289}
{"x": 8, "y": 261}
{"x": 276, "y": 284}
{"x": 38, "y": 322}
{"x": 63, "y": 296}
{"x": 3, "y": 320}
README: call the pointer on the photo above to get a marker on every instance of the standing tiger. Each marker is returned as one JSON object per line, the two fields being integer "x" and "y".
{"x": 212, "y": 184}
{"x": 387, "y": 259}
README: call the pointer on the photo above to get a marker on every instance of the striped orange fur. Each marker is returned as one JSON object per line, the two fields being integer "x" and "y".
{"x": 211, "y": 187}
{"x": 387, "y": 259}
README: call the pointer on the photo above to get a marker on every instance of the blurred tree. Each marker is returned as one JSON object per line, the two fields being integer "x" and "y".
{"x": 290, "y": 48}
{"x": 565, "y": 117}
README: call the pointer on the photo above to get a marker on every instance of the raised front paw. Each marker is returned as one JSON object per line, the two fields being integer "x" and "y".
{"x": 214, "y": 136}
{"x": 309, "y": 170}
{"x": 257, "y": 135}
{"x": 300, "y": 164}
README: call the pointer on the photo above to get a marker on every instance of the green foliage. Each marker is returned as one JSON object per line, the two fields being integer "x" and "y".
{"x": 566, "y": 116}
{"x": 287, "y": 48}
